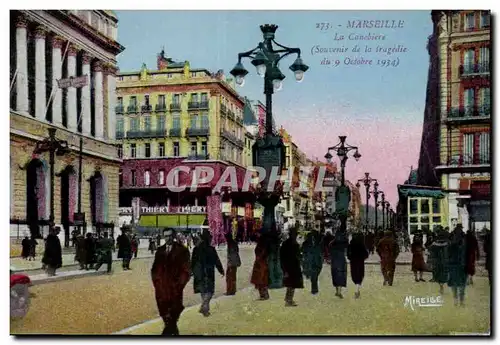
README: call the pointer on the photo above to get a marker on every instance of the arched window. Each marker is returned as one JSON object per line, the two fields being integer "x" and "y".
{"x": 97, "y": 198}
{"x": 147, "y": 178}
{"x": 36, "y": 195}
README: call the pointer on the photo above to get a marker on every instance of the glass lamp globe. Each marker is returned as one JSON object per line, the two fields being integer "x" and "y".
{"x": 277, "y": 84}
{"x": 240, "y": 80}
{"x": 299, "y": 76}
{"x": 261, "y": 70}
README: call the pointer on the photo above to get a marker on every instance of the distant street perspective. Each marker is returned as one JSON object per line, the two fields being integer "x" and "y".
{"x": 248, "y": 175}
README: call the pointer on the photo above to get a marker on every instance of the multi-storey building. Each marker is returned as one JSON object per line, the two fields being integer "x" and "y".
{"x": 176, "y": 111}
{"x": 47, "y": 46}
{"x": 458, "y": 113}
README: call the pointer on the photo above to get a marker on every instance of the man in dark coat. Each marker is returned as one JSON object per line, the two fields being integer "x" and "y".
{"x": 472, "y": 249}
{"x": 439, "y": 254}
{"x": 388, "y": 250}
{"x": 233, "y": 262}
{"x": 488, "y": 252}
{"x": 417, "y": 261}
{"x": 25, "y": 244}
{"x": 260, "y": 270}
{"x": 105, "y": 252}
{"x": 290, "y": 264}
{"x": 80, "y": 252}
{"x": 90, "y": 251}
{"x": 52, "y": 257}
{"x": 457, "y": 278}
{"x": 203, "y": 263}
{"x": 33, "y": 244}
{"x": 370, "y": 242}
{"x": 357, "y": 253}
{"x": 338, "y": 260}
{"x": 312, "y": 259}
{"x": 170, "y": 273}
{"x": 124, "y": 249}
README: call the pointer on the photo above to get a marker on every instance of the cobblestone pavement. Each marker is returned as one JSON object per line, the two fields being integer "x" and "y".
{"x": 108, "y": 303}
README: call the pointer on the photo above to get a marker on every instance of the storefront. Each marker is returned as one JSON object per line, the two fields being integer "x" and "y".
{"x": 181, "y": 218}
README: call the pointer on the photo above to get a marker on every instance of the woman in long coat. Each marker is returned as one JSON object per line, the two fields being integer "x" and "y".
{"x": 417, "y": 261}
{"x": 52, "y": 257}
{"x": 472, "y": 248}
{"x": 439, "y": 254}
{"x": 457, "y": 278}
{"x": 90, "y": 251}
{"x": 233, "y": 262}
{"x": 25, "y": 244}
{"x": 260, "y": 271}
{"x": 357, "y": 253}
{"x": 312, "y": 259}
{"x": 203, "y": 262}
{"x": 338, "y": 260}
{"x": 290, "y": 264}
{"x": 388, "y": 250}
{"x": 80, "y": 252}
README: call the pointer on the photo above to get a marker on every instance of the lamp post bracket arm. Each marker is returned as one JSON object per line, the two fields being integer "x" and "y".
{"x": 247, "y": 54}
{"x": 288, "y": 49}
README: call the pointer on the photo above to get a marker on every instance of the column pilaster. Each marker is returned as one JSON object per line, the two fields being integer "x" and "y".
{"x": 71, "y": 106}
{"x": 22, "y": 104}
{"x": 40, "y": 74}
{"x": 57, "y": 44}
{"x": 99, "y": 100}
{"x": 86, "y": 118}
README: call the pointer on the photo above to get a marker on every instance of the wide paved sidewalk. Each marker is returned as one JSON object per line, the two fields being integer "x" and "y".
{"x": 379, "y": 311}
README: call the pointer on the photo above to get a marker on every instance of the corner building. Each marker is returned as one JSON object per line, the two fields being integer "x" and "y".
{"x": 47, "y": 46}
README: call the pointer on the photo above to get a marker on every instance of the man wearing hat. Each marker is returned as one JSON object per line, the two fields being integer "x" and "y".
{"x": 170, "y": 273}
{"x": 388, "y": 250}
{"x": 124, "y": 248}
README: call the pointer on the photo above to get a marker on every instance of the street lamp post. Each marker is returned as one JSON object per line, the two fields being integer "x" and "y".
{"x": 269, "y": 151}
{"x": 382, "y": 204}
{"x": 376, "y": 193}
{"x": 367, "y": 181}
{"x": 54, "y": 147}
{"x": 387, "y": 214}
{"x": 343, "y": 194}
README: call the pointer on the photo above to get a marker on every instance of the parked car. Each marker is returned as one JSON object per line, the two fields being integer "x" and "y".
{"x": 19, "y": 295}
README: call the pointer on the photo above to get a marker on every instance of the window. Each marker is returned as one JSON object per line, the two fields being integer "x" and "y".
{"x": 134, "y": 124}
{"x": 161, "y": 149}
{"x": 133, "y": 178}
{"x": 413, "y": 228}
{"x": 436, "y": 206}
{"x": 169, "y": 75}
{"x": 176, "y": 149}
{"x": 161, "y": 177}
{"x": 414, "y": 219}
{"x": 484, "y": 60}
{"x": 133, "y": 101}
{"x": 161, "y": 101}
{"x": 160, "y": 122}
{"x": 120, "y": 151}
{"x": 287, "y": 161}
{"x": 146, "y": 100}
{"x": 469, "y": 61}
{"x": 469, "y": 101}
{"x": 133, "y": 151}
{"x": 204, "y": 148}
{"x": 485, "y": 99}
{"x": 176, "y": 121}
{"x": 147, "y": 178}
{"x": 94, "y": 20}
{"x": 204, "y": 97}
{"x": 147, "y": 150}
{"x": 119, "y": 125}
{"x": 194, "y": 97}
{"x": 193, "y": 74}
{"x": 204, "y": 120}
{"x": 484, "y": 19}
{"x": 287, "y": 205}
{"x": 194, "y": 148}
{"x": 469, "y": 21}
{"x": 147, "y": 123}
{"x": 413, "y": 206}
{"x": 468, "y": 148}
{"x": 436, "y": 219}
{"x": 119, "y": 101}
{"x": 484, "y": 148}
{"x": 176, "y": 99}
{"x": 424, "y": 207}
{"x": 193, "y": 121}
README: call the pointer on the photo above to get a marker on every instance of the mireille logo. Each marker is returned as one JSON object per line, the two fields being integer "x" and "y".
{"x": 412, "y": 302}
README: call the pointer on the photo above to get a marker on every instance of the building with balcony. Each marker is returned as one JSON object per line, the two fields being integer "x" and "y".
{"x": 47, "y": 46}
{"x": 455, "y": 152}
{"x": 176, "y": 111}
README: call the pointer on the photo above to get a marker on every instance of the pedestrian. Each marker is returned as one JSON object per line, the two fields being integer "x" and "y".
{"x": 439, "y": 254}
{"x": 105, "y": 252}
{"x": 80, "y": 252}
{"x": 74, "y": 238}
{"x": 90, "y": 251}
{"x": 357, "y": 253}
{"x": 25, "y": 248}
{"x": 33, "y": 244}
{"x": 290, "y": 259}
{"x": 457, "y": 261}
{"x": 124, "y": 248}
{"x": 233, "y": 262}
{"x": 203, "y": 263}
{"x": 170, "y": 273}
{"x": 338, "y": 262}
{"x": 370, "y": 242}
{"x": 152, "y": 246}
{"x": 472, "y": 250}
{"x": 487, "y": 247}
{"x": 418, "y": 262}
{"x": 312, "y": 259}
{"x": 260, "y": 270}
{"x": 52, "y": 257}
{"x": 134, "y": 242}
{"x": 327, "y": 239}
{"x": 158, "y": 240}
{"x": 388, "y": 250}
{"x": 273, "y": 260}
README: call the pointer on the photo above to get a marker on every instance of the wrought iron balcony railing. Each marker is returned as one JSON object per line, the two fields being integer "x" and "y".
{"x": 119, "y": 109}
{"x": 134, "y": 134}
{"x": 231, "y": 115}
{"x": 147, "y": 108}
{"x": 474, "y": 69}
{"x": 119, "y": 135}
{"x": 175, "y": 106}
{"x": 132, "y": 108}
{"x": 468, "y": 159}
{"x": 193, "y": 105}
{"x": 232, "y": 138}
{"x": 175, "y": 132}
{"x": 161, "y": 107}
{"x": 223, "y": 109}
{"x": 470, "y": 113}
{"x": 198, "y": 131}
{"x": 199, "y": 156}
{"x": 203, "y": 105}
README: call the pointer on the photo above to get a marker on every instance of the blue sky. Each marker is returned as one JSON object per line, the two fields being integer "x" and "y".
{"x": 212, "y": 39}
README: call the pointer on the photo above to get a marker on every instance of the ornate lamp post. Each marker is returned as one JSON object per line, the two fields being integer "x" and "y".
{"x": 367, "y": 181}
{"x": 382, "y": 204}
{"x": 376, "y": 193}
{"x": 387, "y": 214}
{"x": 269, "y": 151}
{"x": 54, "y": 147}
{"x": 343, "y": 194}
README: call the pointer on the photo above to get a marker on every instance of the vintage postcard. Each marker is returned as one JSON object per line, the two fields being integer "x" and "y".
{"x": 250, "y": 173}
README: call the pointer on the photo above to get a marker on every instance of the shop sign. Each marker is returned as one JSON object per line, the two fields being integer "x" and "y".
{"x": 173, "y": 209}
